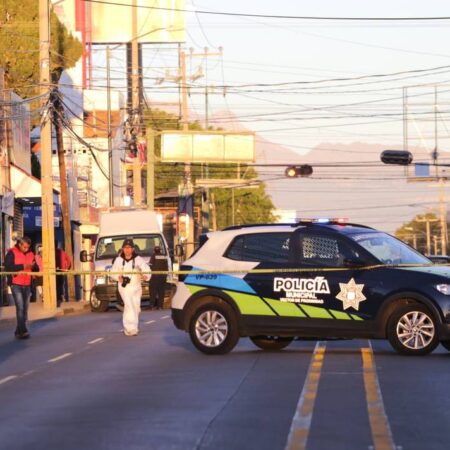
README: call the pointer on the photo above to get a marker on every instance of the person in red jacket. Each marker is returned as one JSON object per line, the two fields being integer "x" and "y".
{"x": 21, "y": 259}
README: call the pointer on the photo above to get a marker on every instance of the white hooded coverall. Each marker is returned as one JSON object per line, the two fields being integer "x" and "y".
{"x": 131, "y": 294}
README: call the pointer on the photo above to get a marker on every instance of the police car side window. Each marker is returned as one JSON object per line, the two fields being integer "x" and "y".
{"x": 320, "y": 251}
{"x": 260, "y": 247}
{"x": 325, "y": 251}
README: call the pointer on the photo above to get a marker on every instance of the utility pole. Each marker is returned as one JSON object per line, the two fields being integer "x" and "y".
{"x": 108, "y": 100}
{"x": 135, "y": 104}
{"x": 150, "y": 169}
{"x": 427, "y": 221}
{"x": 187, "y": 167}
{"x": 205, "y": 197}
{"x": 48, "y": 231}
{"x": 443, "y": 216}
{"x": 65, "y": 208}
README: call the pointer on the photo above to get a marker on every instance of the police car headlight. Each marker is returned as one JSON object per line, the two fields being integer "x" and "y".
{"x": 443, "y": 288}
{"x": 100, "y": 280}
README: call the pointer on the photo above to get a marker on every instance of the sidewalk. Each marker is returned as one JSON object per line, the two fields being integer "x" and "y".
{"x": 36, "y": 311}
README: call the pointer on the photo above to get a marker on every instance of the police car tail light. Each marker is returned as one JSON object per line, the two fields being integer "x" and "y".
{"x": 443, "y": 288}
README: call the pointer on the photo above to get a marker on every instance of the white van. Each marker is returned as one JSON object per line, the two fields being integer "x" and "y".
{"x": 140, "y": 225}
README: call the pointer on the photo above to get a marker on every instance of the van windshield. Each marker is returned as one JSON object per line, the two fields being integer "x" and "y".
{"x": 109, "y": 247}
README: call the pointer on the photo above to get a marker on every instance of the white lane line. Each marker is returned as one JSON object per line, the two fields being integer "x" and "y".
{"x": 6, "y": 379}
{"x": 165, "y": 317}
{"x": 150, "y": 321}
{"x": 96, "y": 340}
{"x": 58, "y": 358}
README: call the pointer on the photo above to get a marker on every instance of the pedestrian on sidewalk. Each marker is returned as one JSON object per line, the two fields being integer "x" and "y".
{"x": 37, "y": 279}
{"x": 63, "y": 264}
{"x": 157, "y": 284}
{"x": 130, "y": 284}
{"x": 21, "y": 259}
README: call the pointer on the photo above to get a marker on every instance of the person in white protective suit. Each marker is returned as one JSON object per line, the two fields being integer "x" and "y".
{"x": 134, "y": 269}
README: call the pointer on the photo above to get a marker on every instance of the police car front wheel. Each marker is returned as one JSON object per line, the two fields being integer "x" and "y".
{"x": 213, "y": 328}
{"x": 412, "y": 330}
{"x": 271, "y": 342}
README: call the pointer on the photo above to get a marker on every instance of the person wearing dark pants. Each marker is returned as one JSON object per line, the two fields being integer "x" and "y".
{"x": 157, "y": 284}
{"x": 21, "y": 259}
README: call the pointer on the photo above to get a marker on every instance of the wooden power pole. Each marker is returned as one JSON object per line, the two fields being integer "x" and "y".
{"x": 65, "y": 207}
{"x": 135, "y": 105}
{"x": 48, "y": 231}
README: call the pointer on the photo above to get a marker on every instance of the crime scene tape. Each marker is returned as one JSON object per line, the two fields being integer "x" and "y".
{"x": 215, "y": 272}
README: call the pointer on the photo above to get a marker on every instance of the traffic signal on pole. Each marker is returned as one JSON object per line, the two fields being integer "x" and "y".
{"x": 399, "y": 157}
{"x": 305, "y": 170}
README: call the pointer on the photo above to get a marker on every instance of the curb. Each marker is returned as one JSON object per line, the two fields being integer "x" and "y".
{"x": 58, "y": 313}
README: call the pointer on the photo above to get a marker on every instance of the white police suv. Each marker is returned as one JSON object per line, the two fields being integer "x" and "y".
{"x": 314, "y": 279}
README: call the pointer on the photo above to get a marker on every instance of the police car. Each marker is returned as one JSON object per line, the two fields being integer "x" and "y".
{"x": 315, "y": 279}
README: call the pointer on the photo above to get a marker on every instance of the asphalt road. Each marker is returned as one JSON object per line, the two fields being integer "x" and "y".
{"x": 79, "y": 383}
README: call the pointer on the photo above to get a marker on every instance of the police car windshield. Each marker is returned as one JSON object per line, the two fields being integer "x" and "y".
{"x": 389, "y": 250}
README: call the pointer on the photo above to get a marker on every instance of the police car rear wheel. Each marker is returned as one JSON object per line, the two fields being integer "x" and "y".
{"x": 96, "y": 304}
{"x": 271, "y": 342}
{"x": 412, "y": 330}
{"x": 213, "y": 329}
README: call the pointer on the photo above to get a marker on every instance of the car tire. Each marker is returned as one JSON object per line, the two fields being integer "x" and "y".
{"x": 96, "y": 304}
{"x": 214, "y": 328}
{"x": 271, "y": 342}
{"x": 412, "y": 330}
{"x": 446, "y": 345}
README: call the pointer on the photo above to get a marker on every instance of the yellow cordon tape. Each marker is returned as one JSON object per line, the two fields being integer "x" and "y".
{"x": 219, "y": 272}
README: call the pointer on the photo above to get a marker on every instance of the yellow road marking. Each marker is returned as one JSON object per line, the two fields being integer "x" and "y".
{"x": 379, "y": 425}
{"x": 6, "y": 379}
{"x": 58, "y": 358}
{"x": 96, "y": 340}
{"x": 298, "y": 434}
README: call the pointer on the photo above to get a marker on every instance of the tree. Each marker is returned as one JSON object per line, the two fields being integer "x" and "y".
{"x": 414, "y": 232}
{"x": 248, "y": 205}
{"x": 19, "y": 46}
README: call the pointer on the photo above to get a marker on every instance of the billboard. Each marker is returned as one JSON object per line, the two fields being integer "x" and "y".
{"x": 20, "y": 133}
{"x": 207, "y": 147}
{"x": 157, "y": 21}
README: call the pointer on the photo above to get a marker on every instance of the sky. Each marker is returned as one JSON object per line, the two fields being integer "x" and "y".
{"x": 271, "y": 51}
{"x": 303, "y": 83}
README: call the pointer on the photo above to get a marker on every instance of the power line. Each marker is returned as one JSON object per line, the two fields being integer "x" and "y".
{"x": 272, "y": 16}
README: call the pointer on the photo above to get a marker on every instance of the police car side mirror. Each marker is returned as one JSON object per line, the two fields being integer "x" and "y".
{"x": 353, "y": 263}
{"x": 85, "y": 256}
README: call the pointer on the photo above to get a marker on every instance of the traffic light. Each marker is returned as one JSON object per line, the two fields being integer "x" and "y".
{"x": 305, "y": 170}
{"x": 399, "y": 157}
